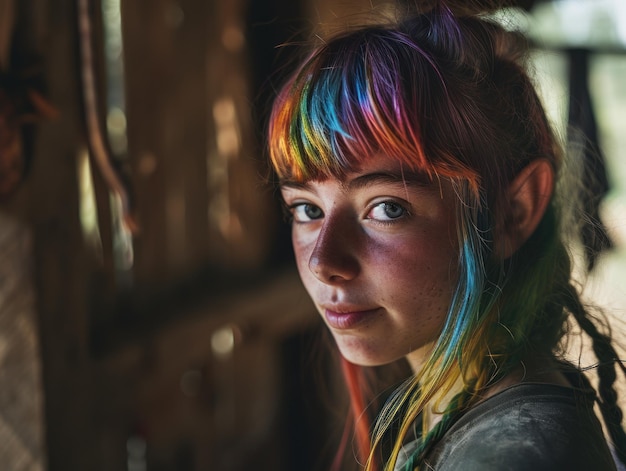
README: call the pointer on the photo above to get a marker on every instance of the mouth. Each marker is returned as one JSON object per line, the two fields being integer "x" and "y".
{"x": 348, "y": 319}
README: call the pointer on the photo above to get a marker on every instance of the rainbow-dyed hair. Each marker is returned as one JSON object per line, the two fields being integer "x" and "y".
{"x": 447, "y": 96}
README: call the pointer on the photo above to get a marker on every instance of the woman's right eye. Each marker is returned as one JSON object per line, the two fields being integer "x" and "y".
{"x": 305, "y": 212}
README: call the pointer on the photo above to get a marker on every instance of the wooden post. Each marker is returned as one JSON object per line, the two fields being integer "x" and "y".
{"x": 47, "y": 202}
{"x": 21, "y": 411}
{"x": 6, "y": 28}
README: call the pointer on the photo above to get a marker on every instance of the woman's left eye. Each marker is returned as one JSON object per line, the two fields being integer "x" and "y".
{"x": 386, "y": 211}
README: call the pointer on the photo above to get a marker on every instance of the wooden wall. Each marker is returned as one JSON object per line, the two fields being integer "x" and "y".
{"x": 191, "y": 351}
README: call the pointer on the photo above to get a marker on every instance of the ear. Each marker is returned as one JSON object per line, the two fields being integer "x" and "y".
{"x": 528, "y": 196}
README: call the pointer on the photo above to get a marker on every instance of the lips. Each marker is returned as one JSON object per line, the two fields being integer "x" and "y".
{"x": 345, "y": 319}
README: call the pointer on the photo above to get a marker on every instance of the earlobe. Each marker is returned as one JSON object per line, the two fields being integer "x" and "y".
{"x": 528, "y": 197}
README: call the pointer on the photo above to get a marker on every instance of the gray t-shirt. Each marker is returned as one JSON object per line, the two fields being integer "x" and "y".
{"x": 527, "y": 427}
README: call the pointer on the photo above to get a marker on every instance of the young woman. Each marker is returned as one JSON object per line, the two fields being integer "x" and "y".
{"x": 419, "y": 170}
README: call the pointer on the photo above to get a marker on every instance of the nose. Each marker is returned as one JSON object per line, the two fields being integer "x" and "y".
{"x": 334, "y": 258}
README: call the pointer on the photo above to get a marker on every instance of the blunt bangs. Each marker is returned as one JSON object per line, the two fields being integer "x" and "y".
{"x": 361, "y": 95}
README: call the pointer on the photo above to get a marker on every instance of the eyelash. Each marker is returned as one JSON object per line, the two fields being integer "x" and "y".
{"x": 404, "y": 212}
{"x": 291, "y": 209}
{"x": 304, "y": 207}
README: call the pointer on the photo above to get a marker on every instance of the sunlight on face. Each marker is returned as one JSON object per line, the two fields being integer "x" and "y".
{"x": 377, "y": 253}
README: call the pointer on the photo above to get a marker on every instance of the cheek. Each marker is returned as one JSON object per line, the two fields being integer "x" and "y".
{"x": 418, "y": 270}
{"x": 300, "y": 248}
{"x": 419, "y": 254}
{"x": 302, "y": 252}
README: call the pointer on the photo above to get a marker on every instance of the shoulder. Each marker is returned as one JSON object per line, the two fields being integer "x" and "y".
{"x": 532, "y": 427}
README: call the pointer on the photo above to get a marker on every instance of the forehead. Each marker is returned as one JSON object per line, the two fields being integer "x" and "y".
{"x": 378, "y": 169}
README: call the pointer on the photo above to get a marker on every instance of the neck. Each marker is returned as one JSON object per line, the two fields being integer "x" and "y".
{"x": 418, "y": 358}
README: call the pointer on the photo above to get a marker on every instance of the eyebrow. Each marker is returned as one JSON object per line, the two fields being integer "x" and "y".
{"x": 413, "y": 179}
{"x": 296, "y": 185}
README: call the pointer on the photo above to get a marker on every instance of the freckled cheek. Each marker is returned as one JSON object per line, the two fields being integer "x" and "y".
{"x": 420, "y": 271}
{"x": 302, "y": 250}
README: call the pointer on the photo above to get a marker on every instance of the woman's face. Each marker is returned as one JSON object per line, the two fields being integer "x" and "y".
{"x": 377, "y": 253}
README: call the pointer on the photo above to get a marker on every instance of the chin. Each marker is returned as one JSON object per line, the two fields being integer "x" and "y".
{"x": 364, "y": 357}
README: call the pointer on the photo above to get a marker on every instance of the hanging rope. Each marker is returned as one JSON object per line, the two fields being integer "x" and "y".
{"x": 99, "y": 149}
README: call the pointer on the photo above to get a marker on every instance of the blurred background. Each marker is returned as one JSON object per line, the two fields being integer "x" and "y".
{"x": 150, "y": 314}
